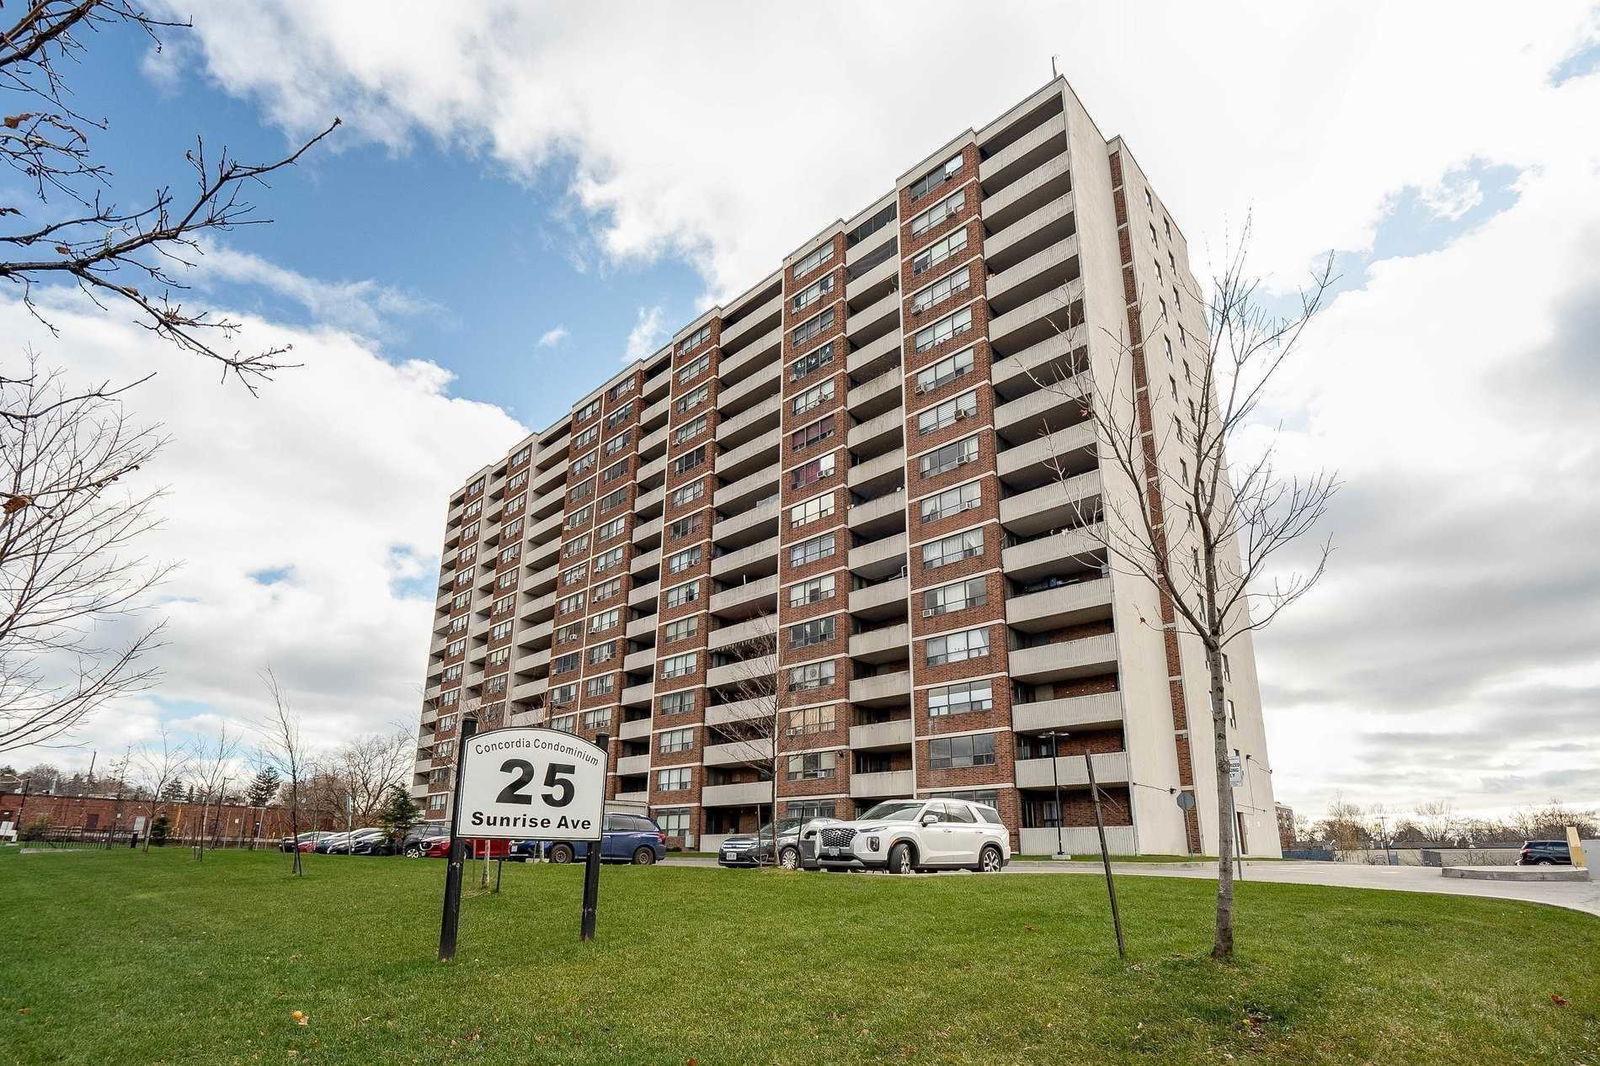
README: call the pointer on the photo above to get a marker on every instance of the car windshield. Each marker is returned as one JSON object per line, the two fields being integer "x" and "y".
{"x": 894, "y": 811}
{"x": 785, "y": 827}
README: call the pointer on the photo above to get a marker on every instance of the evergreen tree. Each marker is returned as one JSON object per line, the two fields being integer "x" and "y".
{"x": 399, "y": 813}
{"x": 174, "y": 791}
{"x": 263, "y": 788}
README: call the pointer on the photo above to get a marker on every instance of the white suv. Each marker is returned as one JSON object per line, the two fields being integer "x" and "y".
{"x": 912, "y": 834}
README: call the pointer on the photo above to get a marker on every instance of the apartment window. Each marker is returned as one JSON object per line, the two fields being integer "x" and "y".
{"x": 565, "y": 664}
{"x": 600, "y": 719}
{"x": 564, "y": 695}
{"x": 461, "y": 600}
{"x": 1147, "y": 201}
{"x": 958, "y": 647}
{"x": 808, "y": 810}
{"x": 811, "y": 675}
{"x": 691, "y": 370}
{"x": 512, "y": 528}
{"x": 507, "y": 579}
{"x": 952, "y": 501}
{"x": 515, "y": 505}
{"x": 677, "y": 703}
{"x": 935, "y": 178}
{"x": 587, "y": 437}
{"x": 1166, "y": 224}
{"x": 588, "y": 410}
{"x": 944, "y": 329}
{"x": 596, "y": 687}
{"x": 564, "y": 723}
{"x": 812, "y": 293}
{"x": 449, "y": 699}
{"x": 577, "y": 518}
{"x": 688, "y": 493}
{"x": 945, "y": 371}
{"x": 938, "y": 252}
{"x": 813, "y": 397}
{"x": 620, "y": 415}
{"x": 957, "y": 281}
{"x": 812, "y": 550}
{"x": 812, "y": 361}
{"x": 617, "y": 443}
{"x": 575, "y": 575}
{"x": 948, "y": 413}
{"x": 673, "y": 823}
{"x": 613, "y": 500}
{"x": 812, "y": 327}
{"x": 607, "y": 559}
{"x": 815, "y": 433}
{"x": 508, "y": 553}
{"x": 1152, "y": 226}
{"x": 476, "y": 486}
{"x": 575, "y": 546}
{"x": 689, "y": 460}
{"x": 964, "y": 698}
{"x": 695, "y": 339}
{"x": 674, "y": 780}
{"x": 499, "y": 656}
{"x": 813, "y": 765}
{"x": 569, "y": 633}
{"x": 972, "y": 592}
{"x": 517, "y": 481}
{"x": 689, "y": 430}
{"x": 688, "y": 592}
{"x": 816, "y": 631}
{"x": 617, "y": 390}
{"x": 605, "y": 620}
{"x": 601, "y": 652}
{"x": 444, "y": 748}
{"x": 683, "y": 527}
{"x": 682, "y": 629}
{"x": 499, "y": 630}
{"x": 944, "y": 459}
{"x": 693, "y": 398}
{"x": 678, "y": 665}
{"x": 452, "y": 673}
{"x": 813, "y": 259}
{"x": 610, "y": 529}
{"x": 684, "y": 560}
{"x": 458, "y": 625}
{"x": 811, "y": 720}
{"x": 455, "y": 647}
{"x": 495, "y": 685}
{"x": 813, "y": 591}
{"x": 1233, "y": 717}
{"x": 606, "y": 590}
{"x": 936, "y": 214}
{"x": 584, "y": 464}
{"x": 811, "y": 510}
{"x": 675, "y": 740}
{"x": 470, "y": 532}
{"x": 951, "y": 753}
{"x": 614, "y": 471}
{"x": 952, "y": 549}
{"x": 812, "y": 472}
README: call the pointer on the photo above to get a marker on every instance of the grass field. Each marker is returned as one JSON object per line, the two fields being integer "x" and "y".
{"x": 116, "y": 957}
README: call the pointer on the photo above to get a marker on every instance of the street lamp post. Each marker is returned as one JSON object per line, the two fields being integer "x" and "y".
{"x": 1055, "y": 736}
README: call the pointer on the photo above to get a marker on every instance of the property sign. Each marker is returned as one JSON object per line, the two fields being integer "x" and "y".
{"x": 528, "y": 782}
{"x": 1236, "y": 770}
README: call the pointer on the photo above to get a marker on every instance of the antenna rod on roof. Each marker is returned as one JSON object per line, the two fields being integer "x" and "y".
{"x": 1053, "y": 74}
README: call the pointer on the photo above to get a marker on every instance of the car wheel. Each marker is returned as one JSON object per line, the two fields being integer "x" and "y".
{"x": 900, "y": 858}
{"x": 789, "y": 859}
{"x": 561, "y": 853}
{"x": 644, "y": 857}
{"x": 990, "y": 860}
{"x": 1544, "y": 862}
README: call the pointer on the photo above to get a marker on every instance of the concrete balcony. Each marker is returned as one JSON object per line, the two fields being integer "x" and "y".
{"x": 765, "y": 315}
{"x": 747, "y": 599}
{"x": 877, "y": 319}
{"x": 758, "y": 560}
{"x": 639, "y": 695}
{"x": 1039, "y": 558}
{"x": 872, "y": 242}
{"x": 653, "y": 445}
{"x": 890, "y": 784}
{"x": 1110, "y": 768}
{"x": 874, "y": 397}
{"x": 885, "y": 429}
{"x": 538, "y": 609}
{"x": 757, "y": 523}
{"x": 739, "y": 752}
{"x": 528, "y": 690}
{"x": 743, "y": 711}
{"x": 635, "y": 729}
{"x": 751, "y": 670}
{"x": 1080, "y": 841}
{"x": 879, "y": 559}
{"x": 881, "y": 645}
{"x": 1027, "y": 194}
{"x": 537, "y": 660}
{"x": 643, "y": 594}
{"x": 1060, "y": 505}
{"x": 880, "y": 473}
{"x": 644, "y": 562}
{"x": 1099, "y": 711}
{"x": 884, "y": 690}
{"x": 633, "y": 799}
{"x": 881, "y": 735}
{"x": 879, "y": 516}
{"x": 1040, "y": 318}
{"x": 1023, "y": 155}
{"x": 746, "y": 795}
{"x": 1053, "y": 406}
{"x": 1043, "y": 459}
{"x": 649, "y": 504}
{"x": 728, "y": 636}
{"x": 883, "y": 600}
{"x": 874, "y": 357}
{"x": 641, "y": 627}
{"x": 757, "y": 360}
{"x": 654, "y": 415}
{"x": 860, "y": 287}
{"x": 639, "y": 660}
{"x": 633, "y": 764}
{"x": 1048, "y": 268}
{"x": 1064, "y": 605}
{"x": 757, "y": 486}
{"x": 748, "y": 457}
{"x": 1068, "y": 659}
{"x": 751, "y": 422}
{"x": 1051, "y": 222}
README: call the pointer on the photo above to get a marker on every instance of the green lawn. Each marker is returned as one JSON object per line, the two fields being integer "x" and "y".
{"x": 116, "y": 957}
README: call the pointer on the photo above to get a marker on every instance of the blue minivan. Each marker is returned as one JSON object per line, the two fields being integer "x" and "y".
{"x": 631, "y": 838}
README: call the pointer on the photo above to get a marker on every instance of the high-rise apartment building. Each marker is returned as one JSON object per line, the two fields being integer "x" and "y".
{"x": 837, "y": 541}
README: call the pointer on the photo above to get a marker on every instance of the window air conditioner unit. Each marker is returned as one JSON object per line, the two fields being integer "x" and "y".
{"x": 928, "y": 612}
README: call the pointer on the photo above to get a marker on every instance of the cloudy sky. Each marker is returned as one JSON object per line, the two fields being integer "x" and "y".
{"x": 521, "y": 196}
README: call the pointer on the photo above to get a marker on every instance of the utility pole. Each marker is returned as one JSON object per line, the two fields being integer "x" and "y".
{"x": 1055, "y": 736}
{"x": 1105, "y": 856}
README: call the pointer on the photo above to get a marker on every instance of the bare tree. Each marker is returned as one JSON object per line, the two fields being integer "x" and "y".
{"x": 368, "y": 766}
{"x": 1206, "y": 531}
{"x": 160, "y": 768}
{"x": 127, "y": 255}
{"x": 68, "y": 522}
{"x": 284, "y": 750}
{"x": 214, "y": 765}
{"x": 754, "y": 737}
{"x": 1438, "y": 822}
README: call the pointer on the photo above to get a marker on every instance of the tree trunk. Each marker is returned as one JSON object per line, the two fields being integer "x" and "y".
{"x": 1222, "y": 945}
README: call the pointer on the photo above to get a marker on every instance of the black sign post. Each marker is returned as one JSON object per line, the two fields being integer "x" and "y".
{"x": 591, "y": 864}
{"x": 451, "y": 920}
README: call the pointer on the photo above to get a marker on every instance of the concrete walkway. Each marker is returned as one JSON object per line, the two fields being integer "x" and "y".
{"x": 1573, "y": 895}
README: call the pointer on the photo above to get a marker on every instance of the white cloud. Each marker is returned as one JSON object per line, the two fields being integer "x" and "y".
{"x": 1453, "y": 197}
{"x": 645, "y": 336}
{"x": 552, "y": 337}
{"x": 337, "y": 473}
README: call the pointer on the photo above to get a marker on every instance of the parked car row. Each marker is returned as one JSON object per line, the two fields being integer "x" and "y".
{"x": 897, "y": 835}
{"x": 1544, "y": 853}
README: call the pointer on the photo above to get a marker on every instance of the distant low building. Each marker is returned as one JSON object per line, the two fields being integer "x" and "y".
{"x": 1285, "y": 825}
{"x": 91, "y": 815}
